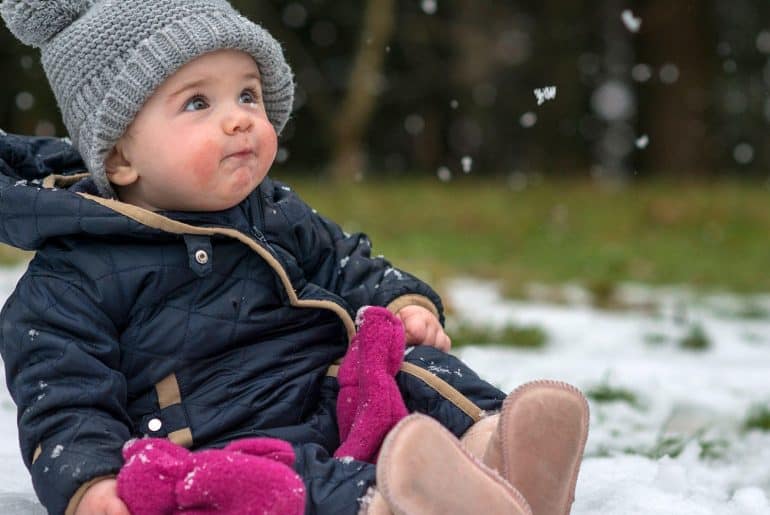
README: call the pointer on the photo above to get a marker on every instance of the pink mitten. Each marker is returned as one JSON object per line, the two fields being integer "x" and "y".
{"x": 247, "y": 477}
{"x": 369, "y": 402}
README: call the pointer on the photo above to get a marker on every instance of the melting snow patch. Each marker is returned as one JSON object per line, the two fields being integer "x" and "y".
{"x": 395, "y": 272}
{"x": 56, "y": 452}
{"x": 546, "y": 93}
{"x": 189, "y": 479}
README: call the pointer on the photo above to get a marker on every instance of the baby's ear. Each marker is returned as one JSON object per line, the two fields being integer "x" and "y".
{"x": 118, "y": 168}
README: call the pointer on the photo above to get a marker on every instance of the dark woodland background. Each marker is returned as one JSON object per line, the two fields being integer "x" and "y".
{"x": 420, "y": 87}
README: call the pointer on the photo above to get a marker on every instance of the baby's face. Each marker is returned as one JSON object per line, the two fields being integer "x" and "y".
{"x": 202, "y": 142}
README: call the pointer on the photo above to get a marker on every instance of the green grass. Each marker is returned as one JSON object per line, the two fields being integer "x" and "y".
{"x": 527, "y": 337}
{"x": 696, "y": 339}
{"x": 673, "y": 445}
{"x": 758, "y": 418}
{"x": 710, "y": 236}
{"x": 604, "y": 393}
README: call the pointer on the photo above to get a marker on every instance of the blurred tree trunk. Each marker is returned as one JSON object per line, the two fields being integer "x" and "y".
{"x": 364, "y": 83}
{"x": 676, "y": 115}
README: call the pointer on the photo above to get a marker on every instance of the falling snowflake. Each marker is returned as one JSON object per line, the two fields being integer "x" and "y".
{"x": 429, "y": 6}
{"x": 546, "y": 93}
{"x": 631, "y": 22}
{"x": 642, "y": 141}
{"x": 743, "y": 153}
{"x": 467, "y": 163}
{"x": 528, "y": 119}
{"x": 444, "y": 174}
{"x": 454, "y": 104}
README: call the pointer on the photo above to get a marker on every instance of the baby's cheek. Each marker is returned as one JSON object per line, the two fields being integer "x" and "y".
{"x": 202, "y": 163}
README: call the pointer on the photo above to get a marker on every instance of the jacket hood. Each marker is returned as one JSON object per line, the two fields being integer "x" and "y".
{"x": 30, "y": 213}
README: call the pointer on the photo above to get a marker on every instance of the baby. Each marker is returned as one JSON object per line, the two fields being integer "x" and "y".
{"x": 177, "y": 291}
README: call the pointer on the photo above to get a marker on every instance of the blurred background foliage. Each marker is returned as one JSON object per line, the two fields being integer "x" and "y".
{"x": 413, "y": 87}
{"x": 440, "y": 94}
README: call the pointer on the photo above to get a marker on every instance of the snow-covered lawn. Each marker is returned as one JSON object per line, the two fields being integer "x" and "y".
{"x": 659, "y": 398}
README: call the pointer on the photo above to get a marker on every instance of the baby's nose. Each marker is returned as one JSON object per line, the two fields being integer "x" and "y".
{"x": 237, "y": 120}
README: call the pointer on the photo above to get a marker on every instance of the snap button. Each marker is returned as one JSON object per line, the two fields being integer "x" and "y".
{"x": 202, "y": 257}
{"x": 154, "y": 424}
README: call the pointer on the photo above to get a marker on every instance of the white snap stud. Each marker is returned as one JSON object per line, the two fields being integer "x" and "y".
{"x": 202, "y": 257}
{"x": 155, "y": 424}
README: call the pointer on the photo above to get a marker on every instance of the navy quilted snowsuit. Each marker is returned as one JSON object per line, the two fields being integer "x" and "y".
{"x": 199, "y": 327}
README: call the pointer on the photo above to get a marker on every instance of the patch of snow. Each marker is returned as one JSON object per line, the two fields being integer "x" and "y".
{"x": 395, "y": 272}
{"x": 697, "y": 400}
{"x": 57, "y": 450}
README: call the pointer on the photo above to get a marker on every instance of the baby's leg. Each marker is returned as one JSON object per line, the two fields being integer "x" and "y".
{"x": 334, "y": 487}
{"x": 443, "y": 387}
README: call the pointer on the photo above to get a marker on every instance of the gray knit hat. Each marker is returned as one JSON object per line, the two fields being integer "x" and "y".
{"x": 104, "y": 58}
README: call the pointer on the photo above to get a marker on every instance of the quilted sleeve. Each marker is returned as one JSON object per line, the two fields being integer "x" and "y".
{"x": 61, "y": 359}
{"x": 343, "y": 263}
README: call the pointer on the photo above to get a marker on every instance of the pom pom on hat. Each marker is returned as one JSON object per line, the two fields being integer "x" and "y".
{"x": 35, "y": 22}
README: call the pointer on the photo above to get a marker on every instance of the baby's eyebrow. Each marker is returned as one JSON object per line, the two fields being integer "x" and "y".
{"x": 187, "y": 86}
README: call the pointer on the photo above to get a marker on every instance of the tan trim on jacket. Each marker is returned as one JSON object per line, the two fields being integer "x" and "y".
{"x": 62, "y": 181}
{"x": 80, "y": 492}
{"x": 168, "y": 395}
{"x": 412, "y": 299}
{"x": 445, "y": 389}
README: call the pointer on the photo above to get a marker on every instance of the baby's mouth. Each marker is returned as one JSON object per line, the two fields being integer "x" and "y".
{"x": 241, "y": 154}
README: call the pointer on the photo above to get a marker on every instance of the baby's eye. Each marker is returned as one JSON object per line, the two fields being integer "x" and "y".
{"x": 196, "y": 103}
{"x": 249, "y": 96}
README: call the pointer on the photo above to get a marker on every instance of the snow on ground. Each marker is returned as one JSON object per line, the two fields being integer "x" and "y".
{"x": 690, "y": 404}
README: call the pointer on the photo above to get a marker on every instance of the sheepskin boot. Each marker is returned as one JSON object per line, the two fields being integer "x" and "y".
{"x": 536, "y": 442}
{"x": 424, "y": 470}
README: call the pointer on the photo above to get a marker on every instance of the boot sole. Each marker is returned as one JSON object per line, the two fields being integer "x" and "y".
{"x": 423, "y": 470}
{"x": 543, "y": 429}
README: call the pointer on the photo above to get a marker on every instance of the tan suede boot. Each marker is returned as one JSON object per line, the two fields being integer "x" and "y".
{"x": 476, "y": 438}
{"x": 423, "y": 469}
{"x": 539, "y": 443}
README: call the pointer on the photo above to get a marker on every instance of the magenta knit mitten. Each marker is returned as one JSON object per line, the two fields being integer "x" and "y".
{"x": 369, "y": 403}
{"x": 252, "y": 476}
